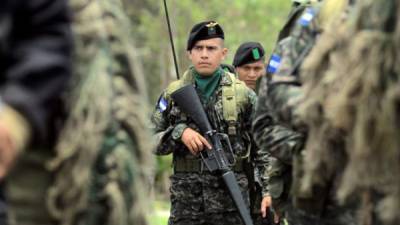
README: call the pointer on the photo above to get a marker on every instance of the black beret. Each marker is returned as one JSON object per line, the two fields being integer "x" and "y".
{"x": 203, "y": 31}
{"x": 248, "y": 52}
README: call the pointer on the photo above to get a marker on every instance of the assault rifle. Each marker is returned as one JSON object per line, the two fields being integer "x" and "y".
{"x": 216, "y": 158}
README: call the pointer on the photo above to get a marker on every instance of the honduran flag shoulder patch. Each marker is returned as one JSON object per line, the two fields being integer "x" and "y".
{"x": 162, "y": 104}
{"x": 307, "y": 17}
{"x": 274, "y": 63}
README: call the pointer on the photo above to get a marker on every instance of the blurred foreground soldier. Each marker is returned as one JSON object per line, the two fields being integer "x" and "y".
{"x": 199, "y": 197}
{"x": 277, "y": 128}
{"x": 351, "y": 86}
{"x": 249, "y": 63}
{"x": 276, "y": 175}
{"x": 35, "y": 47}
{"x": 103, "y": 162}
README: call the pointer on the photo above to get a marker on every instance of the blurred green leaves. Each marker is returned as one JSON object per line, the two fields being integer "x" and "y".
{"x": 242, "y": 20}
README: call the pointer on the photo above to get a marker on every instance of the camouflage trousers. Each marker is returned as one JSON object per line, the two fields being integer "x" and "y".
{"x": 203, "y": 199}
{"x": 259, "y": 220}
{"x": 26, "y": 189}
{"x": 227, "y": 218}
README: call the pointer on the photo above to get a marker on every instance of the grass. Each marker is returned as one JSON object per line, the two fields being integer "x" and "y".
{"x": 160, "y": 214}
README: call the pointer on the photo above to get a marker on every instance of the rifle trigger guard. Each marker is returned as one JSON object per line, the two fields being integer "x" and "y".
{"x": 225, "y": 137}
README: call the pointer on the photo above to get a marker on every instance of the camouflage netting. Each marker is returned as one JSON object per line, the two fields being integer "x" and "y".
{"x": 103, "y": 164}
{"x": 352, "y": 86}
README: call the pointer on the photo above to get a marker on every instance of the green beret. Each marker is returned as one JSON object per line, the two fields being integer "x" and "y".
{"x": 248, "y": 52}
{"x": 203, "y": 31}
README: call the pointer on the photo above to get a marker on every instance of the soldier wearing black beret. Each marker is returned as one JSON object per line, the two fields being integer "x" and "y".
{"x": 204, "y": 31}
{"x": 249, "y": 63}
{"x": 197, "y": 195}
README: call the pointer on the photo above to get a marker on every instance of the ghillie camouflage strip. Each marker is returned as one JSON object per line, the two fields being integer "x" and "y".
{"x": 351, "y": 80}
{"x": 104, "y": 161}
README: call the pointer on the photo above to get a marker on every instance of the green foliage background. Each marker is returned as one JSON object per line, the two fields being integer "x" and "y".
{"x": 242, "y": 20}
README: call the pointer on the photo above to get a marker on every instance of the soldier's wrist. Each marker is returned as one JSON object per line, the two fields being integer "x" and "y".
{"x": 17, "y": 125}
{"x": 265, "y": 193}
{"x": 178, "y": 131}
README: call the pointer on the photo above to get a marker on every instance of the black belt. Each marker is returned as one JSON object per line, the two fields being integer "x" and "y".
{"x": 182, "y": 165}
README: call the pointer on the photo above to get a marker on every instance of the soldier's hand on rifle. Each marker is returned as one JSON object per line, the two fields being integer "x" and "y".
{"x": 266, "y": 204}
{"x": 8, "y": 152}
{"x": 194, "y": 141}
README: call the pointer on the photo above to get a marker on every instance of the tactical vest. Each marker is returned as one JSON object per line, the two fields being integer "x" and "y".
{"x": 234, "y": 96}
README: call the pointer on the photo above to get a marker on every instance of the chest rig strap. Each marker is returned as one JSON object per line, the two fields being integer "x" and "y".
{"x": 229, "y": 105}
{"x": 233, "y": 95}
{"x": 229, "y": 108}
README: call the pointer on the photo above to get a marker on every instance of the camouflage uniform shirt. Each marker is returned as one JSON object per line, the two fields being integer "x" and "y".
{"x": 201, "y": 197}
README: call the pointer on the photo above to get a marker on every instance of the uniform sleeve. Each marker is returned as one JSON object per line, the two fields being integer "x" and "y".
{"x": 260, "y": 161}
{"x": 261, "y": 155}
{"x": 38, "y": 62}
{"x": 278, "y": 98}
{"x": 168, "y": 135}
{"x": 250, "y": 111}
{"x": 270, "y": 134}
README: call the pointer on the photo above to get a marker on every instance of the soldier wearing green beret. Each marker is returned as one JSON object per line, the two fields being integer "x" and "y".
{"x": 197, "y": 195}
{"x": 249, "y": 62}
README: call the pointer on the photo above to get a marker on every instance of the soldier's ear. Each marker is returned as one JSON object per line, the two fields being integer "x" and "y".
{"x": 224, "y": 53}
{"x": 189, "y": 54}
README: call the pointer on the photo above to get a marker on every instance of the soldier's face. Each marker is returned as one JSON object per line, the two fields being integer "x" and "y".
{"x": 249, "y": 73}
{"x": 207, "y": 55}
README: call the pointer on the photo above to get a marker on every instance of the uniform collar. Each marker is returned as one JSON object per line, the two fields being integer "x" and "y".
{"x": 188, "y": 78}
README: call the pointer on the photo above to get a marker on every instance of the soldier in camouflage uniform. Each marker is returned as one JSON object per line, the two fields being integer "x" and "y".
{"x": 278, "y": 130}
{"x": 199, "y": 197}
{"x": 275, "y": 173}
{"x": 103, "y": 163}
{"x": 249, "y": 62}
